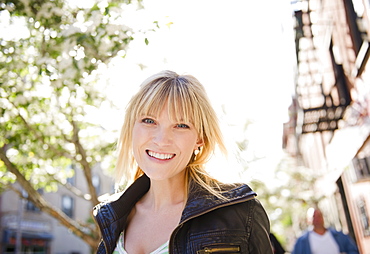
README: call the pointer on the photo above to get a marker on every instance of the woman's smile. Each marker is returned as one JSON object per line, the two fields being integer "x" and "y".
{"x": 160, "y": 156}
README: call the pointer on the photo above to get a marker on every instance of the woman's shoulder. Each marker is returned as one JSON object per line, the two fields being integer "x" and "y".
{"x": 127, "y": 197}
{"x": 236, "y": 190}
{"x": 105, "y": 203}
{"x": 227, "y": 194}
{"x": 238, "y": 185}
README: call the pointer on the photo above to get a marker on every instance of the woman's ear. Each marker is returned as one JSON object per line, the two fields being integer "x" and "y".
{"x": 199, "y": 143}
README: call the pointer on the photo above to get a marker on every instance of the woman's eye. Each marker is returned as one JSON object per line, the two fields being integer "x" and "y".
{"x": 182, "y": 125}
{"x": 148, "y": 120}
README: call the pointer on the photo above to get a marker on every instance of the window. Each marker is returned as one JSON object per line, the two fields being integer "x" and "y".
{"x": 67, "y": 205}
{"x": 30, "y": 206}
{"x": 96, "y": 183}
{"x": 356, "y": 21}
{"x": 364, "y": 217}
{"x": 71, "y": 174}
{"x": 361, "y": 167}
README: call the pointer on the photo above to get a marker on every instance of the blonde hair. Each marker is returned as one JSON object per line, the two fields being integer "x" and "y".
{"x": 187, "y": 101}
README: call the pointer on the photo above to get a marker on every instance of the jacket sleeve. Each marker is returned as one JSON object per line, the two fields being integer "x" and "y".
{"x": 346, "y": 244}
{"x": 259, "y": 242}
{"x": 301, "y": 246}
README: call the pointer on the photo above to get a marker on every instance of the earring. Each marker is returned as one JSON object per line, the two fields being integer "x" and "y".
{"x": 196, "y": 152}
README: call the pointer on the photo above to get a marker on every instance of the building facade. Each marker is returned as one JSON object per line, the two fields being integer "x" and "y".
{"x": 22, "y": 224}
{"x": 330, "y": 127}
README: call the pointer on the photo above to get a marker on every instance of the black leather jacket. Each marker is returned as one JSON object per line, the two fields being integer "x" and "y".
{"x": 208, "y": 224}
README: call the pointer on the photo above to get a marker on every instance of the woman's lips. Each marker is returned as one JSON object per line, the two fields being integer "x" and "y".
{"x": 160, "y": 156}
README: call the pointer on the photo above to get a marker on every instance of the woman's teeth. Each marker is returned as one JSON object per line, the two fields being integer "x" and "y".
{"x": 161, "y": 156}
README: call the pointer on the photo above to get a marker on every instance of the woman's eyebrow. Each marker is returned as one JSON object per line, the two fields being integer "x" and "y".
{"x": 146, "y": 115}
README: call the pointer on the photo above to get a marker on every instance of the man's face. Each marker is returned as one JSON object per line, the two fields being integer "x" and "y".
{"x": 317, "y": 219}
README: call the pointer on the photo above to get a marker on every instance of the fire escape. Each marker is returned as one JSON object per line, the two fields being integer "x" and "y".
{"x": 321, "y": 87}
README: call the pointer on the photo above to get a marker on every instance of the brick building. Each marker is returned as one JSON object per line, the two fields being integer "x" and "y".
{"x": 329, "y": 131}
{"x": 40, "y": 232}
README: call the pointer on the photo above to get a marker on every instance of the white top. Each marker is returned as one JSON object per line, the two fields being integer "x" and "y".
{"x": 323, "y": 244}
{"x": 120, "y": 247}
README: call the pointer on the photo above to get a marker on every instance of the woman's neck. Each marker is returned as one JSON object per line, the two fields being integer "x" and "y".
{"x": 165, "y": 193}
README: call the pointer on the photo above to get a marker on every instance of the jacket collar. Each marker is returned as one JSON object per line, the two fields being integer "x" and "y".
{"x": 112, "y": 214}
{"x": 120, "y": 204}
{"x": 201, "y": 201}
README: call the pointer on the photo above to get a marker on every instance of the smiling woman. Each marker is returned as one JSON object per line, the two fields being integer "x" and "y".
{"x": 172, "y": 205}
{"x": 163, "y": 146}
{"x": 183, "y": 103}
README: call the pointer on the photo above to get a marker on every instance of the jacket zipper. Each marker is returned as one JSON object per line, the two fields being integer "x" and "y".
{"x": 197, "y": 215}
{"x": 219, "y": 249}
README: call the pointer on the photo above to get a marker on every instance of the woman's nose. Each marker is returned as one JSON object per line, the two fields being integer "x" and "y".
{"x": 163, "y": 136}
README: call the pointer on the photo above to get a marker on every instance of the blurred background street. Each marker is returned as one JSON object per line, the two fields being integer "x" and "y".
{"x": 288, "y": 79}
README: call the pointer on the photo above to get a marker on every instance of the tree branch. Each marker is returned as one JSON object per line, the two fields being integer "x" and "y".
{"x": 85, "y": 165}
{"x": 41, "y": 203}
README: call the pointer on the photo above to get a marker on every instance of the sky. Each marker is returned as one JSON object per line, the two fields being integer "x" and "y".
{"x": 241, "y": 51}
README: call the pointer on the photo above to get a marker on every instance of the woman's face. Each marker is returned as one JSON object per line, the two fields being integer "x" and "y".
{"x": 163, "y": 147}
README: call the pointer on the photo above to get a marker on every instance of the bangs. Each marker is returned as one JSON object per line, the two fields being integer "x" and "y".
{"x": 181, "y": 100}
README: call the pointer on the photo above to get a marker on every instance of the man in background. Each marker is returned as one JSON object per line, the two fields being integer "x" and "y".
{"x": 322, "y": 240}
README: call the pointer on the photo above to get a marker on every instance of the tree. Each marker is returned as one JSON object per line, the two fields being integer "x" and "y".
{"x": 49, "y": 76}
{"x": 286, "y": 198}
